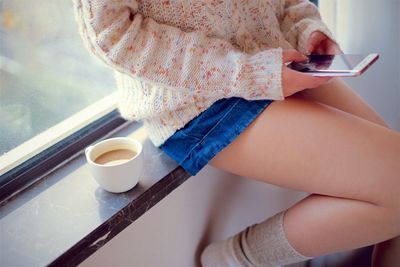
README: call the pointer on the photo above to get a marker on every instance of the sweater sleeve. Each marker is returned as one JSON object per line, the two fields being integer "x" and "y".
{"x": 139, "y": 46}
{"x": 300, "y": 19}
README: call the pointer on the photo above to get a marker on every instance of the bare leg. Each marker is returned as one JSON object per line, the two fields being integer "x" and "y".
{"x": 339, "y": 95}
{"x": 348, "y": 161}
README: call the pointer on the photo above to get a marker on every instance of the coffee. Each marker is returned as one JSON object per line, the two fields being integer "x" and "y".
{"x": 115, "y": 157}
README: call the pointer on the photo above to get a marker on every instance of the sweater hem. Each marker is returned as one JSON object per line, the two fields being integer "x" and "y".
{"x": 163, "y": 127}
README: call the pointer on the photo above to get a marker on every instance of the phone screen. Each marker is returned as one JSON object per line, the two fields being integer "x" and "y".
{"x": 328, "y": 63}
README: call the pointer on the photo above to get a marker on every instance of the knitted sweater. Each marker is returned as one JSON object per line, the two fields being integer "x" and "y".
{"x": 174, "y": 58}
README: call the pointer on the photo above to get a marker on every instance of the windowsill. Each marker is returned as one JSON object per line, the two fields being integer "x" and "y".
{"x": 66, "y": 217}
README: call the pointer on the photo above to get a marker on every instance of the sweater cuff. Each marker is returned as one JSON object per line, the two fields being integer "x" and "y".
{"x": 262, "y": 75}
{"x": 312, "y": 26}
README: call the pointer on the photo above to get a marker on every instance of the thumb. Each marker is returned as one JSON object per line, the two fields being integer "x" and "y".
{"x": 293, "y": 55}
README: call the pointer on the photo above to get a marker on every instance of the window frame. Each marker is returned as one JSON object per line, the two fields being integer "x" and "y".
{"x": 30, "y": 161}
{"x": 35, "y": 168}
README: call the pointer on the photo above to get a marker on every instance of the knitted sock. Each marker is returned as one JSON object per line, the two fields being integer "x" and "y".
{"x": 260, "y": 245}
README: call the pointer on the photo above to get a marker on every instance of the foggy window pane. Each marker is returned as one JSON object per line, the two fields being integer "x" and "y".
{"x": 46, "y": 74}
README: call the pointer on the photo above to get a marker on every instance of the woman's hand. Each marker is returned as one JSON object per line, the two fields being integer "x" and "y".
{"x": 320, "y": 44}
{"x": 295, "y": 81}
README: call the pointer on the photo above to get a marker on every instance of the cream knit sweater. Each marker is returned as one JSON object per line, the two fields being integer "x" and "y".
{"x": 174, "y": 58}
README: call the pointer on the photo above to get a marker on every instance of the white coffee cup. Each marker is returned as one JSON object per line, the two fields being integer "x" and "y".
{"x": 120, "y": 177}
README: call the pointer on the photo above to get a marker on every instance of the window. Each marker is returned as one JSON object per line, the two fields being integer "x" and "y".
{"x": 50, "y": 86}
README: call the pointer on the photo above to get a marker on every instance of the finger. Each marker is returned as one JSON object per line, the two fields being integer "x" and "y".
{"x": 305, "y": 80}
{"x": 334, "y": 49}
{"x": 321, "y": 50}
{"x": 314, "y": 41}
{"x": 322, "y": 80}
{"x": 293, "y": 55}
{"x": 317, "y": 81}
{"x": 311, "y": 45}
{"x": 310, "y": 49}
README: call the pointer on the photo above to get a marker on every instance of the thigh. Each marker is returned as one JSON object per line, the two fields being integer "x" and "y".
{"x": 341, "y": 96}
{"x": 308, "y": 146}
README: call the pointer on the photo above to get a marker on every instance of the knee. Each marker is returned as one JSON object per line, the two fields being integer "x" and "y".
{"x": 394, "y": 208}
{"x": 387, "y": 188}
{"x": 390, "y": 220}
{"x": 396, "y": 221}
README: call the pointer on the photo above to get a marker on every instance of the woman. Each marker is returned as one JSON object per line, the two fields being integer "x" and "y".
{"x": 209, "y": 80}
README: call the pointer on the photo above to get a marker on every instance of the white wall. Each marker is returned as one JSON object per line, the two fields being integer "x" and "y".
{"x": 210, "y": 206}
{"x": 365, "y": 26}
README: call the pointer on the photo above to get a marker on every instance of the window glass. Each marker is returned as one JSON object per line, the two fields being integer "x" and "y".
{"x": 46, "y": 74}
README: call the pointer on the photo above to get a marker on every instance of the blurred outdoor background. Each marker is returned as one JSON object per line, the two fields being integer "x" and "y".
{"x": 46, "y": 74}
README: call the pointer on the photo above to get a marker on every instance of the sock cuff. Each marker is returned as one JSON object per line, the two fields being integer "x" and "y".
{"x": 280, "y": 221}
{"x": 261, "y": 245}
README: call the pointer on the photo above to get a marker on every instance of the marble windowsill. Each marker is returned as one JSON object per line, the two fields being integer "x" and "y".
{"x": 66, "y": 217}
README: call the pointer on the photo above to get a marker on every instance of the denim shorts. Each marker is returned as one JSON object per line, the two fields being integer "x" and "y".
{"x": 193, "y": 146}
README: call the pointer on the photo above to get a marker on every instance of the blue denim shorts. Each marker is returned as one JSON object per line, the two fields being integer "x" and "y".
{"x": 193, "y": 146}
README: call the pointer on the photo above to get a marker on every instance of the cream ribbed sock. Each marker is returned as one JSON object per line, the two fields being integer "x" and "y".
{"x": 260, "y": 245}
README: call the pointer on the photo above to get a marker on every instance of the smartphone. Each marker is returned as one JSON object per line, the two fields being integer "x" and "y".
{"x": 345, "y": 65}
